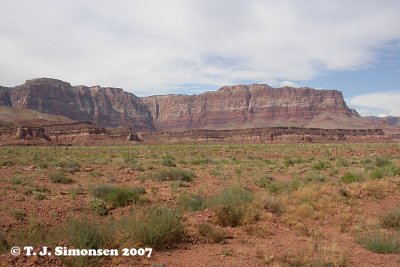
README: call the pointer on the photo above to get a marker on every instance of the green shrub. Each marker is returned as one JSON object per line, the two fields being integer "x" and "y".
{"x": 288, "y": 162}
{"x": 86, "y": 234}
{"x": 96, "y": 174}
{"x": 380, "y": 242}
{"x": 168, "y": 162}
{"x": 98, "y": 206}
{"x": 264, "y": 181}
{"x": 71, "y": 166}
{"x": 202, "y": 161}
{"x": 39, "y": 195}
{"x": 313, "y": 176}
{"x": 16, "y": 180}
{"x": 274, "y": 188}
{"x": 377, "y": 173}
{"x": 192, "y": 202}
{"x": 212, "y": 233}
{"x": 391, "y": 219}
{"x": 3, "y": 243}
{"x": 342, "y": 163}
{"x": 395, "y": 170}
{"x": 234, "y": 207}
{"x": 159, "y": 227}
{"x": 18, "y": 214}
{"x": 7, "y": 162}
{"x": 274, "y": 205}
{"x": 284, "y": 187}
{"x": 382, "y": 162}
{"x": 177, "y": 184}
{"x": 76, "y": 191}
{"x": 60, "y": 178}
{"x": 351, "y": 178}
{"x": 35, "y": 233}
{"x": 321, "y": 165}
{"x": 174, "y": 174}
{"x": 82, "y": 233}
{"x": 117, "y": 196}
{"x": 43, "y": 165}
{"x": 367, "y": 161}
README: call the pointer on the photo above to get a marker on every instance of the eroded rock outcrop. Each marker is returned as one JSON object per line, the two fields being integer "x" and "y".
{"x": 107, "y": 107}
{"x": 267, "y": 135}
{"x": 231, "y": 107}
{"x": 244, "y": 106}
{"x": 78, "y": 133}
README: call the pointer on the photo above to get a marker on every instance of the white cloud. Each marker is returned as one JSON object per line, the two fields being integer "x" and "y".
{"x": 377, "y": 104}
{"x": 155, "y": 46}
{"x": 290, "y": 84}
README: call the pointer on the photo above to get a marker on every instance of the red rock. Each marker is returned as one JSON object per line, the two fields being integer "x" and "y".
{"x": 244, "y": 106}
{"x": 231, "y": 107}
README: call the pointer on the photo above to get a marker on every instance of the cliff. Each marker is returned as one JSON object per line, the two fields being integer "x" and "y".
{"x": 231, "y": 107}
{"x": 391, "y": 120}
{"x": 244, "y": 106}
{"x": 106, "y": 107}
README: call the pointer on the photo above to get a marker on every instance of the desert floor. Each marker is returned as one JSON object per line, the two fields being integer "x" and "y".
{"x": 204, "y": 205}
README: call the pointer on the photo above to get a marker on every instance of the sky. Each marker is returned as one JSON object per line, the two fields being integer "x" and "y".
{"x": 183, "y": 46}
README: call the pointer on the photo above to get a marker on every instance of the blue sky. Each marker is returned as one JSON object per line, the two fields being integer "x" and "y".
{"x": 187, "y": 46}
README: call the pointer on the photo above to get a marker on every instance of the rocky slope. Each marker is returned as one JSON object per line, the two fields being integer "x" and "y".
{"x": 231, "y": 107}
{"x": 391, "y": 120}
{"x": 108, "y": 107}
{"x": 245, "y": 106}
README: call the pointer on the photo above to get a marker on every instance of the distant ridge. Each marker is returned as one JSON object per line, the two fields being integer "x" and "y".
{"x": 230, "y": 107}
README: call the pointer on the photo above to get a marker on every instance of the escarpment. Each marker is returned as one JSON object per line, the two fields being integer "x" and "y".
{"x": 244, "y": 106}
{"x": 231, "y": 107}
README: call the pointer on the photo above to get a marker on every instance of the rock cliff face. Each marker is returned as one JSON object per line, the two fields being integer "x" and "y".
{"x": 242, "y": 106}
{"x": 108, "y": 107}
{"x": 394, "y": 121}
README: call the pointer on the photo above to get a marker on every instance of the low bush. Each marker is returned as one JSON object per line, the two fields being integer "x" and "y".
{"x": 202, "y": 161}
{"x": 264, "y": 181}
{"x": 16, "y": 180}
{"x": 274, "y": 205}
{"x": 313, "y": 176}
{"x": 117, "y": 196}
{"x": 60, "y": 178}
{"x": 380, "y": 242}
{"x": 174, "y": 174}
{"x": 391, "y": 219}
{"x": 38, "y": 195}
{"x": 377, "y": 173}
{"x": 213, "y": 233}
{"x": 83, "y": 233}
{"x": 351, "y": 178}
{"x": 18, "y": 214}
{"x": 284, "y": 187}
{"x": 35, "y": 233}
{"x": 168, "y": 162}
{"x": 288, "y": 162}
{"x": 96, "y": 174}
{"x": 234, "y": 207}
{"x": 76, "y": 191}
{"x": 71, "y": 166}
{"x": 159, "y": 227}
{"x": 192, "y": 202}
{"x": 7, "y": 162}
{"x": 382, "y": 162}
{"x": 3, "y": 243}
{"x": 321, "y": 165}
{"x": 98, "y": 206}
{"x": 341, "y": 162}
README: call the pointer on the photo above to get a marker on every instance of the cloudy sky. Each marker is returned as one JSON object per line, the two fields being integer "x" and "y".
{"x": 158, "y": 47}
